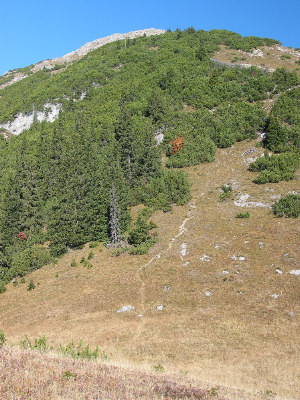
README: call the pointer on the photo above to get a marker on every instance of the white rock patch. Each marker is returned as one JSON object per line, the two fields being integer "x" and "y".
{"x": 159, "y": 137}
{"x": 160, "y": 308}
{"x": 183, "y": 249}
{"x": 238, "y": 258}
{"x": 295, "y": 272}
{"x": 275, "y": 296}
{"x": 256, "y": 53}
{"x": 125, "y": 309}
{"x": 205, "y": 258}
{"x": 242, "y": 202}
{"x": 23, "y": 121}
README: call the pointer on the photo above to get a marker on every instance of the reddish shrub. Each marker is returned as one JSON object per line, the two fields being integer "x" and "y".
{"x": 176, "y": 144}
{"x": 22, "y": 236}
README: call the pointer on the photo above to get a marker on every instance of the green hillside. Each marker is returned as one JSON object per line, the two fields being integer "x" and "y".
{"x": 73, "y": 181}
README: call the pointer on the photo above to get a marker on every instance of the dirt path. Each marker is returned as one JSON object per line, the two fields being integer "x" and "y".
{"x": 160, "y": 255}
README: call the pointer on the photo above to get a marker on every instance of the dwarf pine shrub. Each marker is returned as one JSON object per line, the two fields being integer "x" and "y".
{"x": 288, "y": 206}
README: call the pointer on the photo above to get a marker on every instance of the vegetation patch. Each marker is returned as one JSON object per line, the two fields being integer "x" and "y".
{"x": 288, "y": 206}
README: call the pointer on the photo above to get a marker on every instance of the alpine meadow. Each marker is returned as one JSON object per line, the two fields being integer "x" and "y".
{"x": 149, "y": 220}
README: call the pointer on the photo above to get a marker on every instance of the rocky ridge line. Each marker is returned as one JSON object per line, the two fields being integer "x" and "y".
{"x": 79, "y": 53}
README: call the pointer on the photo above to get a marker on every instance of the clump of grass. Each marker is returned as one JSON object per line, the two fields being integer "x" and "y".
{"x": 22, "y": 280}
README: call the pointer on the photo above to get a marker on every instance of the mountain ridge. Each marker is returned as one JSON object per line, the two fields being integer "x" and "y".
{"x": 78, "y": 53}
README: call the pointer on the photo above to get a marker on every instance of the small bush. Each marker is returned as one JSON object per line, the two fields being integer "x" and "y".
{"x": 28, "y": 260}
{"x": 227, "y": 192}
{"x": 171, "y": 187}
{"x": 141, "y": 249}
{"x": 158, "y": 368}
{"x": 73, "y": 263}
{"x": 285, "y": 57}
{"x": 93, "y": 245}
{"x": 83, "y": 261}
{"x": 243, "y": 215}
{"x": 276, "y": 168}
{"x": 22, "y": 280}
{"x": 2, "y": 338}
{"x": 288, "y": 206}
{"x": 31, "y": 285}
{"x": 2, "y": 287}
{"x": 68, "y": 375}
{"x": 39, "y": 344}
{"x": 78, "y": 351}
{"x": 91, "y": 255}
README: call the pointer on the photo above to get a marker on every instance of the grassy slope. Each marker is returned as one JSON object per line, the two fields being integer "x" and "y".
{"x": 271, "y": 57}
{"x": 247, "y": 341}
{"x": 26, "y": 375}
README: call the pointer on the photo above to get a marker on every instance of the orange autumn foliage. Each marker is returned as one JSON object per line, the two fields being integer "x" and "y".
{"x": 176, "y": 144}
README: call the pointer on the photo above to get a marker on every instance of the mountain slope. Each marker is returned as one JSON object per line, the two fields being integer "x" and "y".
{"x": 138, "y": 130}
{"x": 238, "y": 336}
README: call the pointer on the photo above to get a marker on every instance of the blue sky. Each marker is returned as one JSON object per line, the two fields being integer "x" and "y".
{"x": 34, "y": 30}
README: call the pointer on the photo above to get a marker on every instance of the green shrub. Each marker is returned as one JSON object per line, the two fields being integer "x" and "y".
{"x": 78, "y": 351}
{"x": 73, "y": 263}
{"x": 91, "y": 255}
{"x": 288, "y": 206}
{"x": 171, "y": 187}
{"x": 141, "y": 248}
{"x": 243, "y": 215}
{"x": 2, "y": 338}
{"x": 140, "y": 234}
{"x": 93, "y": 245}
{"x": 83, "y": 261}
{"x": 2, "y": 287}
{"x": 31, "y": 285}
{"x": 68, "y": 375}
{"x": 196, "y": 149}
{"x": 159, "y": 368}
{"x": 227, "y": 192}
{"x": 285, "y": 57}
{"x": 39, "y": 344}
{"x": 275, "y": 168}
{"x": 28, "y": 260}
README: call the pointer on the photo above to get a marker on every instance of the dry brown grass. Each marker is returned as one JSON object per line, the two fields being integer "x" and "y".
{"x": 272, "y": 57}
{"x": 245, "y": 341}
{"x": 28, "y": 375}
